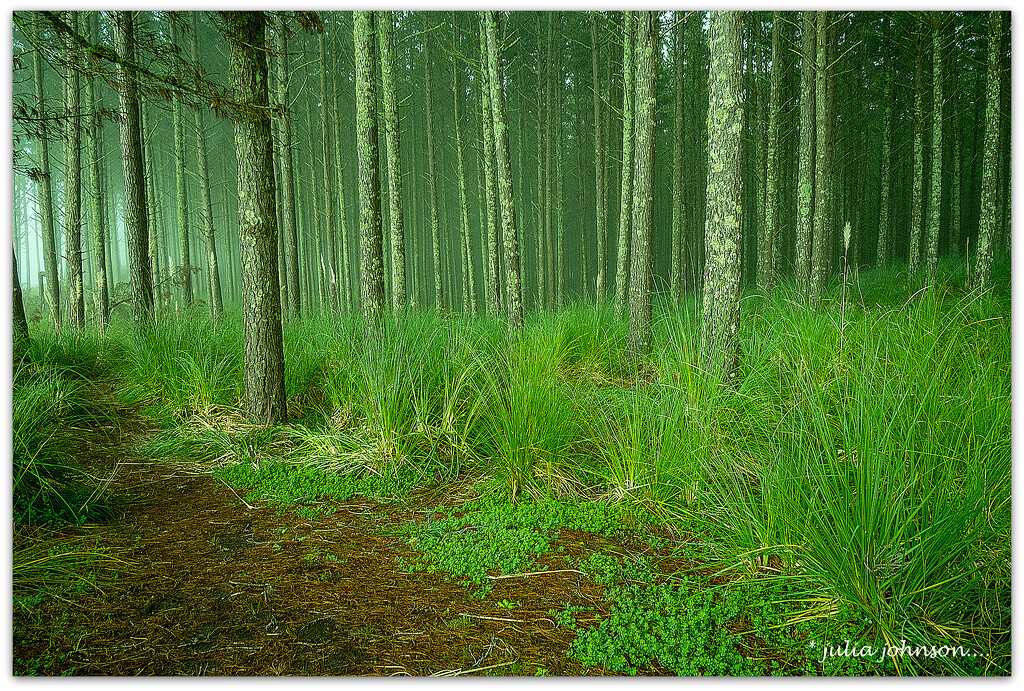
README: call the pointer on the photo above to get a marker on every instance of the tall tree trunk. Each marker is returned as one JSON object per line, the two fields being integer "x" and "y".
{"x": 50, "y": 264}
{"x": 721, "y": 311}
{"x": 559, "y": 272}
{"x": 678, "y": 169}
{"x": 184, "y": 278}
{"x": 391, "y": 137}
{"x": 549, "y": 242}
{"x": 600, "y": 197}
{"x": 331, "y": 250}
{"x": 263, "y": 358}
{"x": 73, "y": 181}
{"x": 805, "y": 184}
{"x": 153, "y": 214}
{"x": 370, "y": 233}
{"x": 94, "y": 139}
{"x": 988, "y": 217}
{"x": 287, "y": 164}
{"x": 490, "y": 190}
{"x": 917, "y": 200}
{"x": 510, "y": 236}
{"x": 542, "y": 214}
{"x": 931, "y": 250}
{"x": 768, "y": 247}
{"x": 626, "y": 195}
{"x": 136, "y": 221}
{"x": 641, "y": 272}
{"x": 823, "y": 161}
{"x": 469, "y": 289}
{"x": 884, "y": 222}
{"x": 435, "y": 230}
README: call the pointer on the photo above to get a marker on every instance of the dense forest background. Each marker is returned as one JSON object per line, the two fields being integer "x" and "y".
{"x": 902, "y": 143}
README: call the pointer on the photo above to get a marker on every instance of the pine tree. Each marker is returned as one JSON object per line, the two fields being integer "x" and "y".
{"x": 384, "y": 21}
{"x": 73, "y": 180}
{"x": 370, "y": 232}
{"x": 720, "y": 317}
{"x": 287, "y": 167}
{"x": 988, "y": 216}
{"x": 626, "y": 195}
{"x": 263, "y": 356}
{"x": 43, "y": 179}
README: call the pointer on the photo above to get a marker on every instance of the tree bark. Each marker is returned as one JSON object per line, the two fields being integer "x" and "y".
{"x": 721, "y": 311}
{"x": 823, "y": 161}
{"x": 917, "y": 198}
{"x": 768, "y": 247}
{"x": 435, "y": 230}
{"x": 370, "y": 234}
{"x": 641, "y": 271}
{"x": 287, "y": 166}
{"x": 331, "y": 249}
{"x": 73, "y": 181}
{"x": 470, "y": 274}
{"x": 94, "y": 140}
{"x": 884, "y": 222}
{"x": 490, "y": 190}
{"x": 599, "y": 177}
{"x": 206, "y": 209}
{"x": 50, "y": 264}
{"x": 931, "y": 250}
{"x": 392, "y": 138}
{"x": 510, "y": 236}
{"x": 678, "y": 169}
{"x": 805, "y": 183}
{"x": 263, "y": 358}
{"x": 136, "y": 220}
{"x": 184, "y": 277}
{"x": 626, "y": 195}
{"x": 988, "y": 219}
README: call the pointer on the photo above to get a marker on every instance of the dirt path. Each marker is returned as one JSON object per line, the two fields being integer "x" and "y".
{"x": 221, "y": 584}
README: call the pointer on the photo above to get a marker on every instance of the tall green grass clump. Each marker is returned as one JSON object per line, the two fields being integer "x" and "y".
{"x": 186, "y": 366}
{"x": 888, "y": 483}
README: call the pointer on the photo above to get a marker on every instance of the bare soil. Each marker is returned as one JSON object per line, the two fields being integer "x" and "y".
{"x": 217, "y": 583}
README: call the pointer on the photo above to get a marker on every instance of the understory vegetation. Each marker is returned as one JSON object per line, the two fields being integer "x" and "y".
{"x": 854, "y": 485}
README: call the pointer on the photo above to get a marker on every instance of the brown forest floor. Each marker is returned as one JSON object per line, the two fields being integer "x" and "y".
{"x": 214, "y": 585}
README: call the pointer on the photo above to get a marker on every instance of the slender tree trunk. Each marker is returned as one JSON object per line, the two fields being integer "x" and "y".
{"x": 50, "y": 264}
{"x": 370, "y": 233}
{"x": 917, "y": 198}
{"x": 724, "y": 229}
{"x": 494, "y": 301}
{"x": 73, "y": 181}
{"x": 641, "y": 272}
{"x": 470, "y": 275}
{"x": 263, "y": 358}
{"x": 678, "y": 169}
{"x": 931, "y": 250}
{"x": 435, "y": 230}
{"x": 626, "y": 196}
{"x": 391, "y": 136}
{"x": 884, "y": 222}
{"x": 805, "y": 185}
{"x": 153, "y": 212}
{"x": 347, "y": 292}
{"x": 504, "y": 174}
{"x": 541, "y": 206}
{"x": 599, "y": 177}
{"x": 823, "y": 163}
{"x": 988, "y": 217}
{"x": 331, "y": 250}
{"x": 770, "y": 231}
{"x": 136, "y": 221}
{"x": 559, "y": 272}
{"x": 284, "y": 133}
{"x": 184, "y": 278}
{"x": 94, "y": 138}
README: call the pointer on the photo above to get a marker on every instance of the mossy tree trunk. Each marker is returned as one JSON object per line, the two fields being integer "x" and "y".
{"x": 769, "y": 237}
{"x": 510, "y": 236}
{"x": 885, "y": 174}
{"x": 184, "y": 277}
{"x": 263, "y": 357}
{"x": 988, "y": 220}
{"x": 94, "y": 139}
{"x": 287, "y": 167}
{"x": 599, "y": 157}
{"x": 370, "y": 232}
{"x": 136, "y": 220}
{"x": 20, "y": 337}
{"x": 805, "y": 171}
{"x": 641, "y": 271}
{"x": 385, "y": 37}
{"x": 490, "y": 196}
{"x": 724, "y": 231}
{"x": 435, "y": 228}
{"x": 678, "y": 168}
{"x": 917, "y": 196}
{"x": 823, "y": 160}
{"x": 931, "y": 248}
{"x": 73, "y": 180}
{"x": 331, "y": 240}
{"x": 626, "y": 194}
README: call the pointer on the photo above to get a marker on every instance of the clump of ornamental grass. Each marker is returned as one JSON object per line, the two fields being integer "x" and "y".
{"x": 888, "y": 485}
